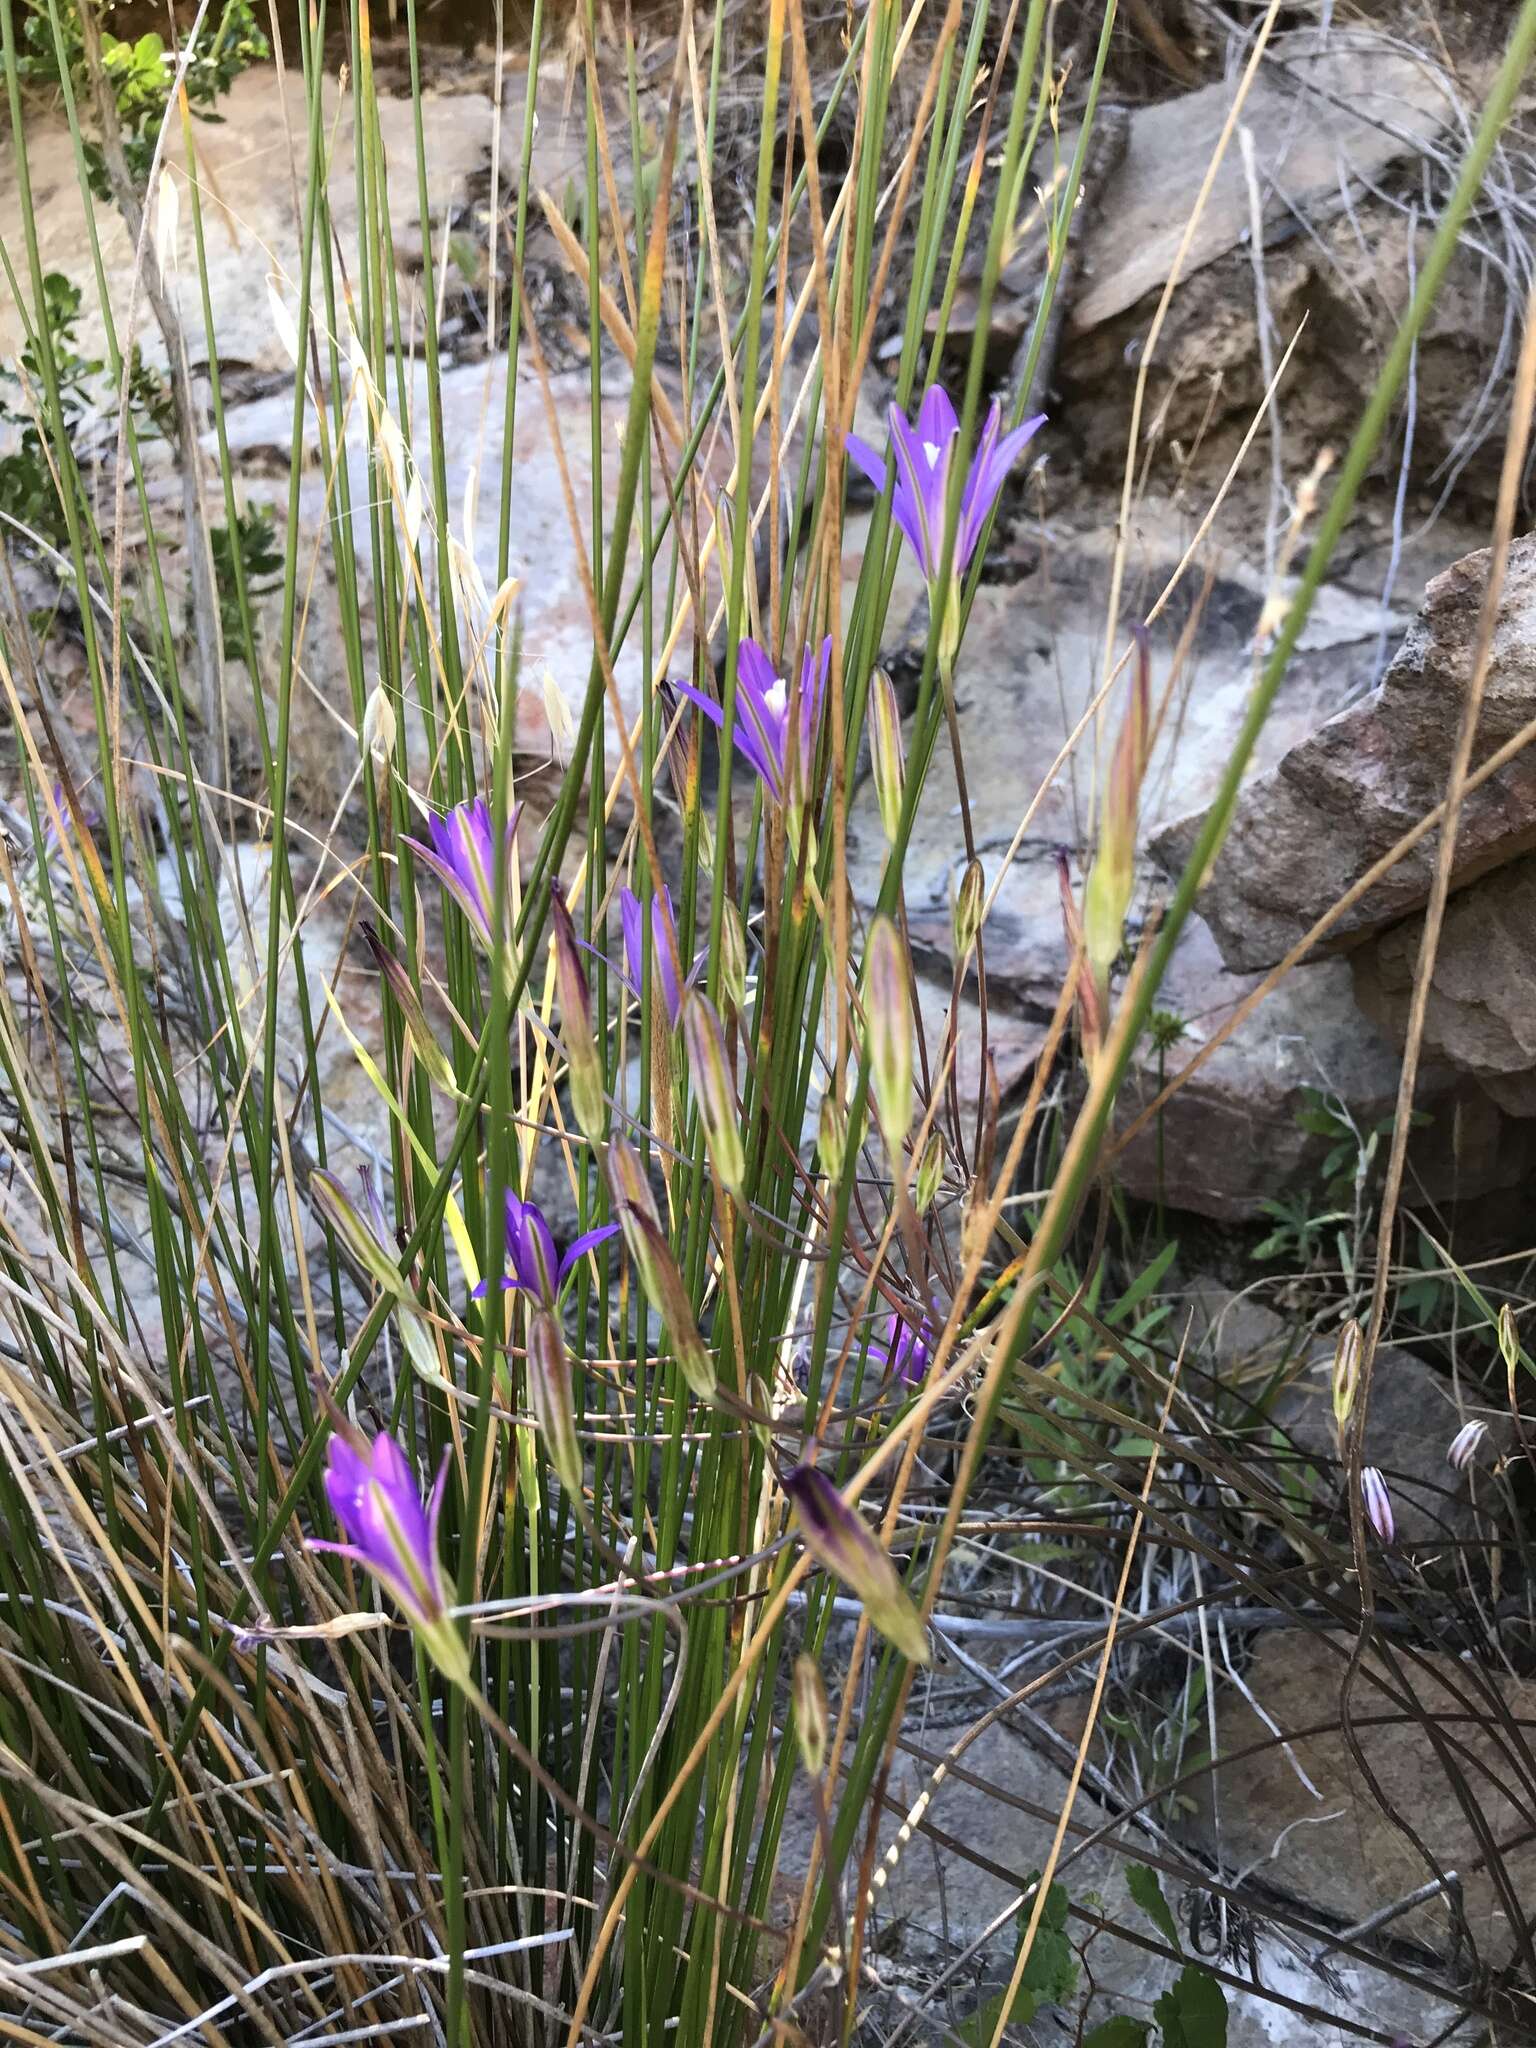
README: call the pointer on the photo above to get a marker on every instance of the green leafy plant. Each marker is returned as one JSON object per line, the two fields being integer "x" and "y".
{"x": 140, "y": 75}
{"x": 251, "y": 551}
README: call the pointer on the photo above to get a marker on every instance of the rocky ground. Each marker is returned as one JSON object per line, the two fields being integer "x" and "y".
{"x": 1311, "y": 236}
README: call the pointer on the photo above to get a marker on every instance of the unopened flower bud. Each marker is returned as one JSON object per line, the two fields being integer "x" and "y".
{"x": 1090, "y": 1014}
{"x": 811, "y": 1716}
{"x": 888, "y": 760}
{"x": 379, "y": 725}
{"x": 832, "y": 1136}
{"x": 340, "y": 1212}
{"x": 837, "y": 1537}
{"x": 418, "y": 1031}
{"x": 888, "y": 1029}
{"x": 1346, "y": 1373}
{"x": 733, "y": 956}
{"x": 970, "y": 898}
{"x": 1509, "y": 1346}
{"x": 930, "y": 1170}
{"x": 582, "y": 1061}
{"x": 1378, "y": 1503}
{"x": 549, "y": 1393}
{"x": 713, "y": 1090}
{"x": 660, "y": 1281}
{"x": 1112, "y": 881}
{"x": 1463, "y": 1445}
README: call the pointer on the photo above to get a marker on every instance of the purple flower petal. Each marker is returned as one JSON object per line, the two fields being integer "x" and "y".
{"x": 585, "y": 1243}
{"x": 864, "y": 458}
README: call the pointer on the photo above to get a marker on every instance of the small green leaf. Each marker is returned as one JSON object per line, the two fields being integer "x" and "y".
{"x": 1119, "y": 2033}
{"x": 1145, "y": 1889}
{"x": 1192, "y": 2012}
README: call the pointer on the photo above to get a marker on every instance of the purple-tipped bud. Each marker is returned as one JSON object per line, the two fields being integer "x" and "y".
{"x": 392, "y": 1533}
{"x": 1378, "y": 1503}
{"x": 970, "y": 898}
{"x": 1346, "y": 1374}
{"x": 888, "y": 1030}
{"x": 906, "y": 1353}
{"x": 549, "y": 1392}
{"x": 812, "y": 1720}
{"x": 930, "y": 1171}
{"x": 887, "y": 753}
{"x": 1464, "y": 1444}
{"x": 838, "y": 1538}
{"x": 660, "y": 1281}
{"x": 581, "y": 1055}
{"x": 713, "y": 1090}
{"x": 418, "y": 1032}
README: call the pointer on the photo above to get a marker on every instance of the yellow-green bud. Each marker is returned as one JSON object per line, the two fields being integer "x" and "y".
{"x": 811, "y": 1717}
{"x": 549, "y": 1393}
{"x": 887, "y": 754}
{"x": 969, "y": 900}
{"x": 930, "y": 1171}
{"x": 713, "y": 1090}
{"x": 888, "y": 1030}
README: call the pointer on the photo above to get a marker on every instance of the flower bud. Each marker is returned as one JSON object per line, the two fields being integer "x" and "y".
{"x": 887, "y": 754}
{"x": 1346, "y": 1374}
{"x": 733, "y": 956}
{"x": 838, "y": 1538}
{"x": 1509, "y": 1346}
{"x": 549, "y": 1394}
{"x": 660, "y": 1281}
{"x": 379, "y": 725}
{"x": 1378, "y": 1503}
{"x": 930, "y": 1170}
{"x": 888, "y": 1030}
{"x": 713, "y": 1090}
{"x": 949, "y": 631}
{"x": 811, "y": 1716}
{"x": 832, "y": 1136}
{"x": 1113, "y": 878}
{"x": 418, "y": 1032}
{"x": 970, "y": 898}
{"x": 581, "y": 1055}
{"x": 340, "y": 1213}
{"x": 1464, "y": 1444}
{"x": 1090, "y": 1015}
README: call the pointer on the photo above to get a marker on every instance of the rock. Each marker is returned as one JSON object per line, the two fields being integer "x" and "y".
{"x": 1230, "y": 1136}
{"x": 1351, "y": 1857}
{"x": 1481, "y": 1015}
{"x": 994, "y": 1826}
{"x": 1030, "y": 665}
{"x": 1326, "y": 110}
{"x": 1303, "y": 833}
{"x": 247, "y": 164}
{"x": 545, "y": 552}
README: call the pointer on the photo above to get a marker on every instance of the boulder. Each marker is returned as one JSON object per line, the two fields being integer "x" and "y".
{"x": 1481, "y": 1014}
{"x": 1303, "y": 833}
{"x": 1289, "y": 1802}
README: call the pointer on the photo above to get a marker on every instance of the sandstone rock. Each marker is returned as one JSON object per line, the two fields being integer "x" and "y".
{"x": 1306, "y": 831}
{"x": 1351, "y": 1857}
{"x": 1481, "y": 1016}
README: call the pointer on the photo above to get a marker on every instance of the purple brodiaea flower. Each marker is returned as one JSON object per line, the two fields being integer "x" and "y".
{"x": 780, "y": 752}
{"x": 923, "y": 450}
{"x": 388, "y": 1528}
{"x": 1378, "y": 1503}
{"x": 533, "y": 1264}
{"x": 662, "y": 927}
{"x": 462, "y": 855}
{"x": 906, "y": 1353}
{"x": 1463, "y": 1445}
